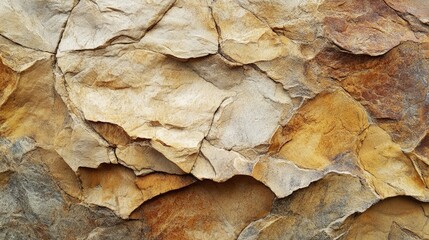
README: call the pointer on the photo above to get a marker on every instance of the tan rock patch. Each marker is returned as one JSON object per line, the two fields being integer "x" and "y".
{"x": 322, "y": 129}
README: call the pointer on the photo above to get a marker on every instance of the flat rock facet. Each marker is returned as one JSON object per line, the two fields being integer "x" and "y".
{"x": 321, "y": 130}
{"x": 214, "y": 119}
{"x": 364, "y": 27}
{"x": 94, "y": 24}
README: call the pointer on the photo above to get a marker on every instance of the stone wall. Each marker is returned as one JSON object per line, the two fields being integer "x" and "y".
{"x": 214, "y": 119}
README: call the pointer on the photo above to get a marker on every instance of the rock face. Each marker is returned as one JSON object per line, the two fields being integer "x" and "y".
{"x": 244, "y": 119}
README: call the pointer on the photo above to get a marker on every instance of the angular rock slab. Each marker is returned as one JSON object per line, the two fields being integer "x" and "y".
{"x": 422, "y": 150}
{"x": 418, "y": 8}
{"x": 137, "y": 155}
{"x": 147, "y": 94}
{"x": 249, "y": 40}
{"x": 35, "y": 190}
{"x": 142, "y": 157}
{"x": 297, "y": 20}
{"x": 206, "y": 210}
{"x": 220, "y": 165}
{"x": 29, "y": 104}
{"x": 283, "y": 177}
{"x": 94, "y": 24}
{"x": 321, "y": 131}
{"x": 35, "y": 24}
{"x": 249, "y": 118}
{"x": 364, "y": 27}
{"x": 393, "y": 218}
{"x": 139, "y": 93}
{"x": 244, "y": 123}
{"x": 309, "y": 212}
{"x": 81, "y": 147}
{"x": 401, "y": 178}
{"x": 155, "y": 184}
{"x": 113, "y": 134}
{"x": 9, "y": 82}
{"x": 393, "y": 87}
{"x": 187, "y": 30}
{"x": 118, "y": 188}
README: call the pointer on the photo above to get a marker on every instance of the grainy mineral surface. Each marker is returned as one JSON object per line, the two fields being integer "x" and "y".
{"x": 214, "y": 119}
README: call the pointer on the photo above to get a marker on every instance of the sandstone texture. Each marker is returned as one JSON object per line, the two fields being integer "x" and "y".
{"x": 214, "y": 119}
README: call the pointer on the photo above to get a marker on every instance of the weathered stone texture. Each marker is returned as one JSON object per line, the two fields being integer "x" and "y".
{"x": 214, "y": 119}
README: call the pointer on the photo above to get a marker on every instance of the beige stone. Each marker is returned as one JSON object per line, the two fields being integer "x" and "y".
{"x": 393, "y": 218}
{"x": 321, "y": 131}
{"x": 422, "y": 150}
{"x": 112, "y": 133}
{"x": 283, "y": 177}
{"x": 297, "y": 20}
{"x": 187, "y": 30}
{"x": 214, "y": 119}
{"x": 118, "y": 188}
{"x": 248, "y": 40}
{"x": 309, "y": 212}
{"x": 9, "y": 82}
{"x": 141, "y": 156}
{"x": 95, "y": 24}
{"x": 80, "y": 147}
{"x": 19, "y": 58}
{"x": 155, "y": 184}
{"x": 36, "y": 24}
{"x": 29, "y": 104}
{"x": 178, "y": 104}
{"x": 400, "y": 177}
{"x": 421, "y": 165}
{"x": 111, "y": 186}
{"x": 250, "y": 117}
{"x": 291, "y": 73}
{"x": 219, "y": 164}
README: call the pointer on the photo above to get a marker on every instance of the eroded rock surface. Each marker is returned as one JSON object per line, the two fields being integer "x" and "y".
{"x": 310, "y": 212}
{"x": 364, "y": 27}
{"x": 393, "y": 87}
{"x": 244, "y": 119}
{"x": 387, "y": 220}
{"x": 186, "y": 214}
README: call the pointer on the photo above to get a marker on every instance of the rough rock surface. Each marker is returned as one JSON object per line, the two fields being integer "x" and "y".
{"x": 214, "y": 119}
